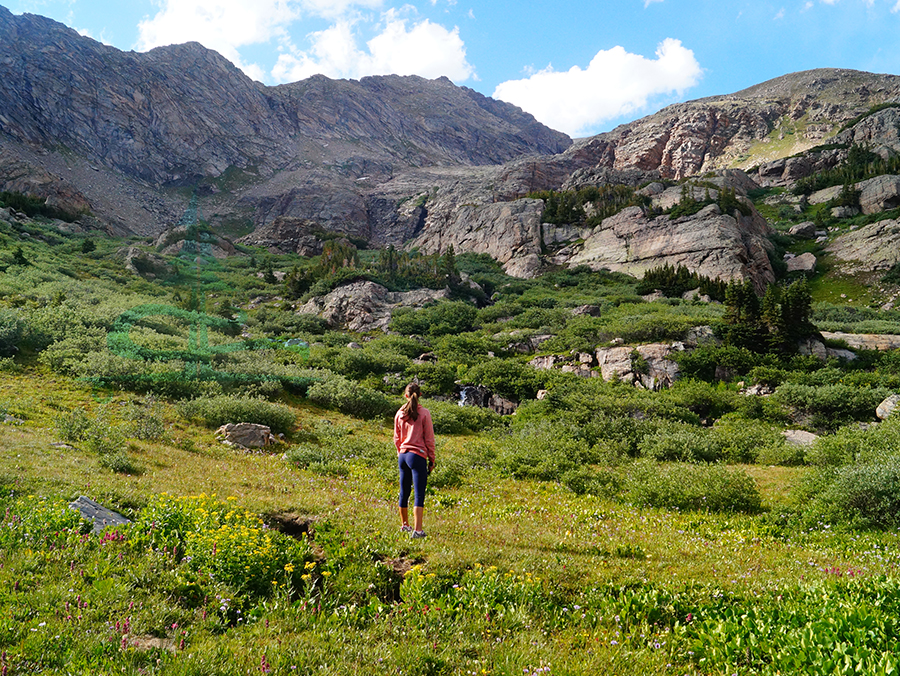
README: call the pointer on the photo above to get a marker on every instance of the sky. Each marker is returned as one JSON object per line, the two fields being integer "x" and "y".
{"x": 581, "y": 67}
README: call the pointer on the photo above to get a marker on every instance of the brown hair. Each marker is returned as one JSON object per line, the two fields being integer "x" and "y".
{"x": 411, "y": 407}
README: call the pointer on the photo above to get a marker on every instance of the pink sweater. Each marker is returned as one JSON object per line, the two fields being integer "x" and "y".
{"x": 414, "y": 435}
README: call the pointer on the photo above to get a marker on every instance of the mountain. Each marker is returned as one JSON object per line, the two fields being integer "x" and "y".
{"x": 128, "y": 137}
{"x": 183, "y": 116}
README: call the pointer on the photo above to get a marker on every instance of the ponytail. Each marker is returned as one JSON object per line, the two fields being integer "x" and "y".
{"x": 411, "y": 407}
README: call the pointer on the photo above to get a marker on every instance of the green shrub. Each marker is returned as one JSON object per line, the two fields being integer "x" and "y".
{"x": 72, "y": 426}
{"x": 713, "y": 488}
{"x": 445, "y": 318}
{"x": 584, "y": 480}
{"x": 351, "y": 398}
{"x": 544, "y": 450}
{"x": 450, "y": 418}
{"x": 678, "y": 442}
{"x": 832, "y": 405}
{"x": 747, "y": 441}
{"x": 12, "y": 329}
{"x": 215, "y": 411}
{"x": 863, "y": 495}
{"x": 507, "y": 378}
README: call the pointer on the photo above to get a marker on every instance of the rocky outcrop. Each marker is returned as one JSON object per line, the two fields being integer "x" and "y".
{"x": 865, "y": 341}
{"x": 879, "y": 194}
{"x": 366, "y": 306}
{"x": 709, "y": 243}
{"x": 646, "y": 365}
{"x": 872, "y": 247}
{"x": 509, "y": 231}
{"x": 184, "y": 240}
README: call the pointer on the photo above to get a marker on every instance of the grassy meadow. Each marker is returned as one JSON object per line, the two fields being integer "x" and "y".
{"x": 602, "y": 529}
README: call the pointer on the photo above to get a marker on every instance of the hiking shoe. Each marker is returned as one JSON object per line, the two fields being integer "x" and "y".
{"x": 417, "y": 534}
{"x": 406, "y": 529}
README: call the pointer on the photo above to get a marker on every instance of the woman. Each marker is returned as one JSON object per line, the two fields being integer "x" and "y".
{"x": 414, "y": 439}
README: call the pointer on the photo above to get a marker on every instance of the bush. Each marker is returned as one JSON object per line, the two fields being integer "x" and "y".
{"x": 505, "y": 377}
{"x": 746, "y": 441}
{"x": 446, "y": 318}
{"x": 862, "y": 496}
{"x": 832, "y": 405}
{"x": 450, "y": 418}
{"x": 215, "y": 411}
{"x": 12, "y": 329}
{"x": 674, "y": 441}
{"x": 351, "y": 398}
{"x": 544, "y": 450}
{"x": 585, "y": 480}
{"x": 713, "y": 488}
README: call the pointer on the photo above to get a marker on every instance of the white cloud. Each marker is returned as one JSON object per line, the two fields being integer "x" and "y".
{"x": 614, "y": 84}
{"x": 222, "y": 25}
{"x": 647, "y": 3}
{"x": 896, "y": 8}
{"x": 780, "y": 14}
{"x": 401, "y": 47}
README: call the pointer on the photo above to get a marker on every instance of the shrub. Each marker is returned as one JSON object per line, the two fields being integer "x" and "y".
{"x": 862, "y": 495}
{"x": 450, "y": 418}
{"x": 12, "y": 329}
{"x": 214, "y": 411}
{"x": 351, "y": 398}
{"x": 545, "y": 451}
{"x": 586, "y": 480}
{"x": 713, "y": 488}
{"x": 72, "y": 426}
{"x": 832, "y": 405}
{"x": 445, "y": 318}
{"x": 506, "y": 377}
{"x": 674, "y": 441}
{"x": 744, "y": 441}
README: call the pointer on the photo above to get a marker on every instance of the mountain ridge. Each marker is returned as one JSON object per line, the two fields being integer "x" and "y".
{"x": 391, "y": 159}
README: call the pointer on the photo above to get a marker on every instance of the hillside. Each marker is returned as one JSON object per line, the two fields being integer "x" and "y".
{"x": 683, "y": 485}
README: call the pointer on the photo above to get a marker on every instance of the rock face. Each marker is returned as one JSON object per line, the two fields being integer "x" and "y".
{"x": 865, "y": 341}
{"x": 646, "y": 365}
{"x": 366, "y": 306}
{"x": 709, "y": 242}
{"x": 873, "y": 247}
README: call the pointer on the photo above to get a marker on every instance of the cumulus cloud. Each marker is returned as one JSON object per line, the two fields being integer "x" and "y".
{"x": 222, "y": 25}
{"x": 615, "y": 83}
{"x": 896, "y": 8}
{"x": 401, "y": 47}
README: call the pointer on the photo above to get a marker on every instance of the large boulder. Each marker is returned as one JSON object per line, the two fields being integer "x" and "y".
{"x": 366, "y": 306}
{"x": 805, "y": 263}
{"x": 246, "y": 435}
{"x": 648, "y": 366}
{"x": 887, "y": 407}
{"x": 879, "y": 194}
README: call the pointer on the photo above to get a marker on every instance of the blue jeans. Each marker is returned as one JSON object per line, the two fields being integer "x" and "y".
{"x": 413, "y": 474}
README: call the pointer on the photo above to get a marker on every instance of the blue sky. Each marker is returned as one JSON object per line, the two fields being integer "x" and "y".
{"x": 581, "y": 67}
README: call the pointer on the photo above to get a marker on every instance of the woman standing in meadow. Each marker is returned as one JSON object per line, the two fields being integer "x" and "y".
{"x": 414, "y": 439}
